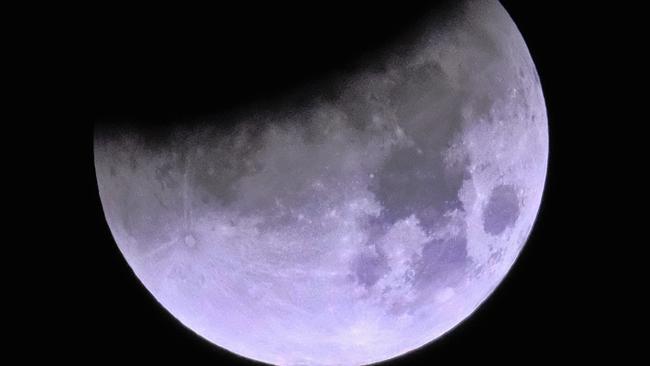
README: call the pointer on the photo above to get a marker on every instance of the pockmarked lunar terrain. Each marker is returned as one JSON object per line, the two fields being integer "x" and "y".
{"x": 351, "y": 228}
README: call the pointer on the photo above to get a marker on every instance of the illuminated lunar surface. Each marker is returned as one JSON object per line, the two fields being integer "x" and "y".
{"x": 353, "y": 228}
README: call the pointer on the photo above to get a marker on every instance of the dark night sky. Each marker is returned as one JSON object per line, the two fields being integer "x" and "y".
{"x": 158, "y": 65}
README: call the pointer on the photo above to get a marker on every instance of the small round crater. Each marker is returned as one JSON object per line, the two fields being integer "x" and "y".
{"x": 190, "y": 240}
{"x": 502, "y": 209}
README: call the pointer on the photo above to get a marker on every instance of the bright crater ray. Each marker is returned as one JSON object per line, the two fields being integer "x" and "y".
{"x": 351, "y": 229}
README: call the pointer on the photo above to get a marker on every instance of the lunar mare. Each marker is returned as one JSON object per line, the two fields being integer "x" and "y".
{"x": 353, "y": 228}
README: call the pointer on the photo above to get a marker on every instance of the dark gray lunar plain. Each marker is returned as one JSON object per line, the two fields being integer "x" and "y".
{"x": 351, "y": 229}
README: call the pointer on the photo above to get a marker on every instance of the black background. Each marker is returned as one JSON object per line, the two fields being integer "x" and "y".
{"x": 157, "y": 65}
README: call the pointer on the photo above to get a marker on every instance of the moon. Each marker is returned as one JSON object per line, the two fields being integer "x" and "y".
{"x": 351, "y": 226}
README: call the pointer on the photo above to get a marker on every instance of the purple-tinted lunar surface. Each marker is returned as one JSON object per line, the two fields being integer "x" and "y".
{"x": 353, "y": 228}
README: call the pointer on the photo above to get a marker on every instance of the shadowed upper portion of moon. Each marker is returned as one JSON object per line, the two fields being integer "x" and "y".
{"x": 350, "y": 225}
